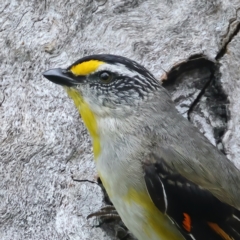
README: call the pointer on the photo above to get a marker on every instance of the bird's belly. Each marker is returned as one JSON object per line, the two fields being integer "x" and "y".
{"x": 126, "y": 188}
{"x": 143, "y": 219}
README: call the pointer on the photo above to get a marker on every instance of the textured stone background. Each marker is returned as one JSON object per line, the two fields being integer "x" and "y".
{"x": 44, "y": 147}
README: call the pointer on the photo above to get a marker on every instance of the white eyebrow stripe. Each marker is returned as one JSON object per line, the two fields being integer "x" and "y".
{"x": 119, "y": 68}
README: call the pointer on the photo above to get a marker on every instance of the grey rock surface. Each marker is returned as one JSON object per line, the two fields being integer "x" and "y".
{"x": 44, "y": 147}
{"x": 230, "y": 70}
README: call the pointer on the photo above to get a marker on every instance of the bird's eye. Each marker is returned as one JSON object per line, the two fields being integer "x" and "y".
{"x": 105, "y": 77}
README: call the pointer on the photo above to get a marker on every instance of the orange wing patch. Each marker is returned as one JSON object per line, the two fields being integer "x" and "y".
{"x": 187, "y": 222}
{"x": 219, "y": 231}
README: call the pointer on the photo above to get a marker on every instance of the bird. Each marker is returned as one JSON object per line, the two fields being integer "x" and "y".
{"x": 165, "y": 179}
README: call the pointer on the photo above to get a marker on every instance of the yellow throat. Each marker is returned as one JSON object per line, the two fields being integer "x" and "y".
{"x": 87, "y": 117}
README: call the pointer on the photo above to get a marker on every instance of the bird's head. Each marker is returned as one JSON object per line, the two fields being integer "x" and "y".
{"x": 108, "y": 84}
{"x": 106, "y": 89}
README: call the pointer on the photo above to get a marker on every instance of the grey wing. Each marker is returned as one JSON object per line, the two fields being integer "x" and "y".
{"x": 206, "y": 167}
{"x": 197, "y": 213}
{"x": 188, "y": 152}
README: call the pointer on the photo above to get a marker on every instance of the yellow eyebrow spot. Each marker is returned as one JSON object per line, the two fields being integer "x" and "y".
{"x": 86, "y": 68}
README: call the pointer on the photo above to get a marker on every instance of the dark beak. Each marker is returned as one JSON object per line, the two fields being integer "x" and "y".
{"x": 61, "y": 76}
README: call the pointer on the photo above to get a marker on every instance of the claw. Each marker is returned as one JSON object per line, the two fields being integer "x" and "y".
{"x": 106, "y": 213}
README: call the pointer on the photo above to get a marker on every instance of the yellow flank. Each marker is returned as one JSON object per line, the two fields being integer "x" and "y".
{"x": 87, "y": 117}
{"x": 86, "y": 68}
{"x": 154, "y": 218}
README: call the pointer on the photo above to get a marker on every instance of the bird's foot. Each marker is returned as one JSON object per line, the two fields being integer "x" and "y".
{"x": 108, "y": 214}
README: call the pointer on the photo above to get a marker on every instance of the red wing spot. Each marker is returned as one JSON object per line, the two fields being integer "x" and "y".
{"x": 219, "y": 231}
{"x": 186, "y": 222}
